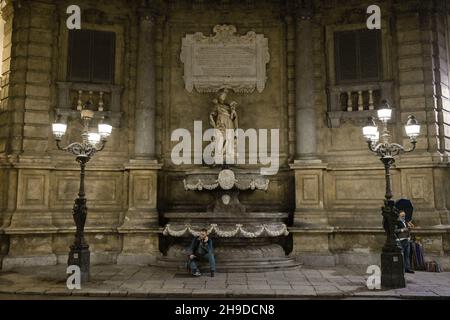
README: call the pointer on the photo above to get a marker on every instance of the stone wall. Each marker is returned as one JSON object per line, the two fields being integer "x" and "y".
{"x": 266, "y": 110}
{"x": 334, "y": 199}
{"x": 338, "y": 200}
{"x": 40, "y": 183}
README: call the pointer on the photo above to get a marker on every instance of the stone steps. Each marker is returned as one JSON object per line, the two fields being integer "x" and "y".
{"x": 247, "y": 265}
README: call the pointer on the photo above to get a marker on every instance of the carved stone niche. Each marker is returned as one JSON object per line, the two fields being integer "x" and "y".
{"x": 225, "y": 60}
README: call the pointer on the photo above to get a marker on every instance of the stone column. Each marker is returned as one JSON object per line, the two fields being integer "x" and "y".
{"x": 304, "y": 89}
{"x": 310, "y": 230}
{"x": 144, "y": 134}
{"x": 140, "y": 225}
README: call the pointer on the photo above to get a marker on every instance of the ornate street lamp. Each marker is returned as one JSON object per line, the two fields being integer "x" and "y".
{"x": 392, "y": 267}
{"x": 92, "y": 142}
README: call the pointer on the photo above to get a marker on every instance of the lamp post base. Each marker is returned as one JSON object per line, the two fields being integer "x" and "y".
{"x": 80, "y": 257}
{"x": 392, "y": 265}
{"x": 392, "y": 270}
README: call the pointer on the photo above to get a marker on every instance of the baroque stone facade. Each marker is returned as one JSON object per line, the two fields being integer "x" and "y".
{"x": 329, "y": 185}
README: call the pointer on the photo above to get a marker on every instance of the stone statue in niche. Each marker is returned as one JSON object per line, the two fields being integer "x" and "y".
{"x": 224, "y": 119}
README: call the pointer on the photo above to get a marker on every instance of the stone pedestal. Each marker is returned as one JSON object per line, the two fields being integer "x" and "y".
{"x": 139, "y": 229}
{"x": 392, "y": 270}
{"x": 311, "y": 230}
{"x": 80, "y": 257}
{"x": 244, "y": 241}
{"x": 309, "y": 194}
{"x": 139, "y": 248}
{"x": 312, "y": 246}
{"x": 234, "y": 255}
{"x": 30, "y": 225}
{"x": 142, "y": 194}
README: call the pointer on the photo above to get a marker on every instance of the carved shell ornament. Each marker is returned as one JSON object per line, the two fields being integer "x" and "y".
{"x": 226, "y": 179}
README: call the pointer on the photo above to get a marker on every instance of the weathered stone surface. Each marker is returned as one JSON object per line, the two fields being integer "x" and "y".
{"x": 343, "y": 193}
{"x": 225, "y": 59}
{"x": 339, "y": 282}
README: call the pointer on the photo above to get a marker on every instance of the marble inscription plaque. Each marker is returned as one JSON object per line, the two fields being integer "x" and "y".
{"x": 225, "y": 60}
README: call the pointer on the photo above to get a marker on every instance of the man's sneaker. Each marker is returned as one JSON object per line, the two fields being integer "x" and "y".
{"x": 409, "y": 271}
{"x": 212, "y": 274}
{"x": 197, "y": 274}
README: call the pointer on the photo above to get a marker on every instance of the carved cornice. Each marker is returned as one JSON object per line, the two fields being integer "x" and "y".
{"x": 423, "y": 7}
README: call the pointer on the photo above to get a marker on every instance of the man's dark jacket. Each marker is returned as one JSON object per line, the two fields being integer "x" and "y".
{"x": 402, "y": 234}
{"x": 200, "y": 248}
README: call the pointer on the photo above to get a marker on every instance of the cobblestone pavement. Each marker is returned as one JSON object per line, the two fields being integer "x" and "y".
{"x": 149, "y": 282}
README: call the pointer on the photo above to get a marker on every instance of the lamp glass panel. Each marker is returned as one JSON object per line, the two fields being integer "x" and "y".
{"x": 369, "y": 131}
{"x": 412, "y": 130}
{"x": 94, "y": 137}
{"x": 104, "y": 129}
{"x": 59, "y": 128}
{"x": 384, "y": 114}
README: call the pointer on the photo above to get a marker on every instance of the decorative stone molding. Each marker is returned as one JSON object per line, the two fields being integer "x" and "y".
{"x": 266, "y": 230}
{"x": 225, "y": 60}
{"x": 226, "y": 181}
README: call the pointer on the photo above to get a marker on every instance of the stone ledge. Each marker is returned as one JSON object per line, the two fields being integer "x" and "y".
{"x": 10, "y": 263}
{"x": 308, "y": 164}
{"x": 126, "y": 230}
{"x": 71, "y": 230}
{"x": 55, "y": 230}
{"x": 143, "y": 164}
{"x": 439, "y": 229}
{"x": 316, "y": 260}
{"x": 260, "y": 215}
{"x": 372, "y": 163}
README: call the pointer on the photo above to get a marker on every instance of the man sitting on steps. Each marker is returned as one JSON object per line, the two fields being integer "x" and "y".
{"x": 201, "y": 249}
